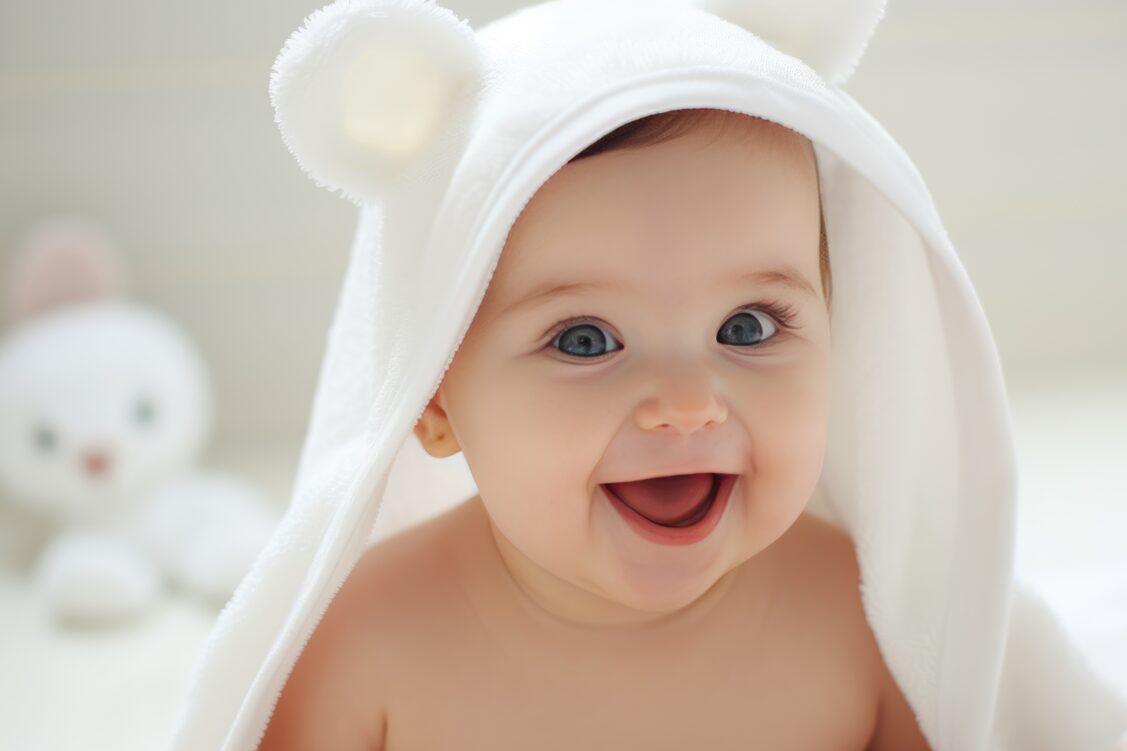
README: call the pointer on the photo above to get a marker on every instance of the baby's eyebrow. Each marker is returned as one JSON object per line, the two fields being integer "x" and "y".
{"x": 553, "y": 289}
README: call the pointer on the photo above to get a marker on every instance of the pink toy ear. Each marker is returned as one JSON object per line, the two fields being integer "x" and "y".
{"x": 62, "y": 261}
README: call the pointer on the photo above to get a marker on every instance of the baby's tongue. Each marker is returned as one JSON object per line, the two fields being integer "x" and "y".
{"x": 665, "y": 500}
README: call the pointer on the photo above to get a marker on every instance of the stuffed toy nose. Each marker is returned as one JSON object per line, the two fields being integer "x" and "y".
{"x": 96, "y": 463}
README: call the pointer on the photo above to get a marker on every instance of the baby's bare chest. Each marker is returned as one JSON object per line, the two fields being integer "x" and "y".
{"x": 789, "y": 691}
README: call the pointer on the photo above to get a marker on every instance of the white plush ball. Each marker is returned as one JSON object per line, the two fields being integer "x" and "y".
{"x": 365, "y": 89}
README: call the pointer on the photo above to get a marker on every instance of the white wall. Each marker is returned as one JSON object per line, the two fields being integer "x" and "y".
{"x": 1016, "y": 120}
{"x": 153, "y": 118}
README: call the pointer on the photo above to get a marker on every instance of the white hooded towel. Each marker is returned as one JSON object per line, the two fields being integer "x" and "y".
{"x": 440, "y": 134}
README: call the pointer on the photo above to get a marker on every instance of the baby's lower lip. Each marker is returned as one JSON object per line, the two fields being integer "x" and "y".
{"x": 662, "y": 535}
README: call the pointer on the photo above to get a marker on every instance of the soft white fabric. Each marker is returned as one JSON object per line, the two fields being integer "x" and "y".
{"x": 112, "y": 687}
{"x": 919, "y": 468}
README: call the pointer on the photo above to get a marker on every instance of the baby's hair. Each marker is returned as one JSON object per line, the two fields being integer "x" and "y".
{"x": 665, "y": 126}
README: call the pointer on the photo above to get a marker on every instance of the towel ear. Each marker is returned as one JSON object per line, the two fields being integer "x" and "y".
{"x": 828, "y": 35}
{"x": 365, "y": 88}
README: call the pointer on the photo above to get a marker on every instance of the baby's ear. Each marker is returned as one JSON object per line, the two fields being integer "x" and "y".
{"x": 828, "y": 35}
{"x": 367, "y": 88}
{"x": 434, "y": 432}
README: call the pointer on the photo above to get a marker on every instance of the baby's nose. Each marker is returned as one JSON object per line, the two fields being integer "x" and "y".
{"x": 685, "y": 400}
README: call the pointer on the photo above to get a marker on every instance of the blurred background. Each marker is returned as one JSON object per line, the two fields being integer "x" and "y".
{"x": 153, "y": 119}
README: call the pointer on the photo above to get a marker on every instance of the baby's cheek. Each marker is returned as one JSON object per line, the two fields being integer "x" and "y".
{"x": 542, "y": 438}
{"x": 562, "y": 410}
{"x": 786, "y": 419}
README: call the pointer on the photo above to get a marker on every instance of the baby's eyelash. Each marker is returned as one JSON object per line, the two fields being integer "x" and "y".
{"x": 783, "y": 314}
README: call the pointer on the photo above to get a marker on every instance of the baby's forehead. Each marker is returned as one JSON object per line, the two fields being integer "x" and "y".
{"x": 742, "y": 179}
{"x": 743, "y": 170}
{"x": 726, "y": 160}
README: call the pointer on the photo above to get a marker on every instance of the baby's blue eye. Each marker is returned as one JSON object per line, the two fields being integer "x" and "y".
{"x": 746, "y": 329}
{"x": 584, "y": 340}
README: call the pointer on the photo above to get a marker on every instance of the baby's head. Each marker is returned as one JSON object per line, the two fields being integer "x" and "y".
{"x": 661, "y": 307}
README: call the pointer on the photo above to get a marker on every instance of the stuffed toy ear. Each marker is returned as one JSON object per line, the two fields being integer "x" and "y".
{"x": 365, "y": 88}
{"x": 61, "y": 261}
{"x": 828, "y": 35}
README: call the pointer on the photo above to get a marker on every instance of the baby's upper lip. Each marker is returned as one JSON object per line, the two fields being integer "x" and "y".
{"x": 666, "y": 472}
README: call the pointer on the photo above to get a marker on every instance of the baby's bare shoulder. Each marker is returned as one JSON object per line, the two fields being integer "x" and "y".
{"x": 818, "y": 599}
{"x": 402, "y": 595}
{"x": 822, "y": 559}
{"x": 338, "y": 693}
{"x": 822, "y": 647}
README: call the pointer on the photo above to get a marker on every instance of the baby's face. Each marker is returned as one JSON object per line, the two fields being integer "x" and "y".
{"x": 670, "y": 351}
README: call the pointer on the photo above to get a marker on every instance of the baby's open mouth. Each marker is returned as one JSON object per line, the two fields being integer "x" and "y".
{"x": 673, "y": 501}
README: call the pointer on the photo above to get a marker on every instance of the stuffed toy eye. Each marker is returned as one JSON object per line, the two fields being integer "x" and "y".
{"x": 44, "y": 439}
{"x": 144, "y": 411}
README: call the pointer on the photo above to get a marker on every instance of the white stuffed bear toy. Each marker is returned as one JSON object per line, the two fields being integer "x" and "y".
{"x": 104, "y": 409}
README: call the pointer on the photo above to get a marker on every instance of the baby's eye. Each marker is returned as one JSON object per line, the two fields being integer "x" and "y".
{"x": 747, "y": 327}
{"x": 584, "y": 340}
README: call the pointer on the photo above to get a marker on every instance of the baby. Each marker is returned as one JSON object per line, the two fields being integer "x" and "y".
{"x": 642, "y": 398}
